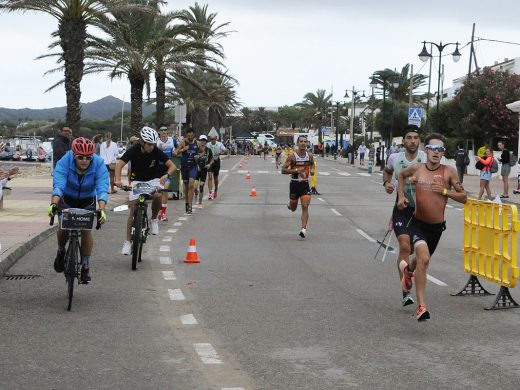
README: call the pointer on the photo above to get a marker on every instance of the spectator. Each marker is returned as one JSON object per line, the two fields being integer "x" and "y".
{"x": 61, "y": 144}
{"x": 109, "y": 152}
{"x": 361, "y": 151}
{"x": 461, "y": 161}
{"x": 371, "y": 153}
{"x": 97, "y": 140}
{"x": 327, "y": 149}
{"x": 505, "y": 159}
{"x": 485, "y": 173}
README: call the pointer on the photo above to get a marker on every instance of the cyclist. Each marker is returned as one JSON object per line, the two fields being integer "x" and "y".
{"x": 79, "y": 177}
{"x": 166, "y": 144}
{"x": 217, "y": 148}
{"x": 189, "y": 170}
{"x": 145, "y": 158}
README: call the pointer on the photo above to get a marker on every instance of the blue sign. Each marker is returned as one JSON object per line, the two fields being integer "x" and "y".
{"x": 414, "y": 116}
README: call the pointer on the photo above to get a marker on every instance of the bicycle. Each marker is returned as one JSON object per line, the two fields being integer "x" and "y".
{"x": 141, "y": 222}
{"x": 75, "y": 220}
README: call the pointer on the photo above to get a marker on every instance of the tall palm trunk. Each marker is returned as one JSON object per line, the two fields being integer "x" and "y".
{"x": 136, "y": 99}
{"x": 160, "y": 91}
{"x": 72, "y": 40}
{"x": 213, "y": 118}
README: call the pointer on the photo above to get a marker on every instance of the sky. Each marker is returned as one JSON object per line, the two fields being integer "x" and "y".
{"x": 280, "y": 50}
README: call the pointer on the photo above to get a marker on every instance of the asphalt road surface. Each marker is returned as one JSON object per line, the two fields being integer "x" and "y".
{"x": 263, "y": 309}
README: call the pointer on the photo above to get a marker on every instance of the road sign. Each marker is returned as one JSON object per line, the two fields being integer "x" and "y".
{"x": 180, "y": 113}
{"x": 414, "y": 116}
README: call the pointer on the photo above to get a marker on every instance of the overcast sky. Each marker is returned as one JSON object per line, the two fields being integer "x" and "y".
{"x": 285, "y": 48}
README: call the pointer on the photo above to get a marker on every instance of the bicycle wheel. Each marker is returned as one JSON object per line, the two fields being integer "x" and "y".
{"x": 143, "y": 235}
{"x": 70, "y": 270}
{"x": 136, "y": 238}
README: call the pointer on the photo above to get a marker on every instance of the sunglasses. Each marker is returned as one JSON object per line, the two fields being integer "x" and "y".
{"x": 436, "y": 148}
{"x": 84, "y": 158}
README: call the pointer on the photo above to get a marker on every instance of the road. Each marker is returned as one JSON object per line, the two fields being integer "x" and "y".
{"x": 263, "y": 309}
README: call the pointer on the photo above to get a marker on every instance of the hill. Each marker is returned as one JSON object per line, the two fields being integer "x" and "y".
{"x": 101, "y": 109}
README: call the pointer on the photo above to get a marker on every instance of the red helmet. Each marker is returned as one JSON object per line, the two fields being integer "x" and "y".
{"x": 83, "y": 147}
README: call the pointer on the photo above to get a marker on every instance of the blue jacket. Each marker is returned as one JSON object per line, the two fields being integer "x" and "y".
{"x": 66, "y": 180}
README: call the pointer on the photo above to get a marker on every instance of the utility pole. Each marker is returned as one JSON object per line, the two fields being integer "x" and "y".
{"x": 410, "y": 98}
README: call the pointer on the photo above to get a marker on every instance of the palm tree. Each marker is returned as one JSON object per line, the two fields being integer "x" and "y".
{"x": 73, "y": 17}
{"x": 129, "y": 51}
{"x": 315, "y": 106}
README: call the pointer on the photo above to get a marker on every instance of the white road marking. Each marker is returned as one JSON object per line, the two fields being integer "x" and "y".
{"x": 365, "y": 235}
{"x": 436, "y": 281}
{"x": 207, "y": 353}
{"x": 177, "y": 224}
{"x": 123, "y": 207}
{"x": 344, "y": 173}
{"x": 172, "y": 230}
{"x": 336, "y": 212}
{"x": 449, "y": 206}
{"x": 165, "y": 260}
{"x": 459, "y": 209}
{"x": 164, "y": 248}
{"x": 232, "y": 388}
{"x": 242, "y": 171}
{"x": 224, "y": 170}
{"x": 324, "y": 173}
{"x": 321, "y": 199}
{"x": 188, "y": 319}
{"x": 176, "y": 294}
{"x": 335, "y": 169}
{"x": 167, "y": 238}
{"x": 182, "y": 219}
{"x": 169, "y": 275}
{"x": 262, "y": 171}
{"x": 364, "y": 174}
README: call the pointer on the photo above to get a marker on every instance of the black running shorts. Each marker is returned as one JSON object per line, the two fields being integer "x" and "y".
{"x": 429, "y": 232}
{"x": 203, "y": 173}
{"x": 298, "y": 189}
{"x": 215, "y": 167}
{"x": 401, "y": 219}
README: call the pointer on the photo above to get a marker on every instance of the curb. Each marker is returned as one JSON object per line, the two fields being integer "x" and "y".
{"x": 13, "y": 254}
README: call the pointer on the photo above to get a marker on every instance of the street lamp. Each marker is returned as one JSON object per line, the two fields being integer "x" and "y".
{"x": 395, "y": 85}
{"x": 353, "y": 113}
{"x": 338, "y": 107}
{"x": 425, "y": 56}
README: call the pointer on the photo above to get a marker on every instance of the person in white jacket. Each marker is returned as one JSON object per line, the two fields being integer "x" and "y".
{"x": 108, "y": 152}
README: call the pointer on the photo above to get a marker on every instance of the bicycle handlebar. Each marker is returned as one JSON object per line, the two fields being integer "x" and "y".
{"x": 98, "y": 217}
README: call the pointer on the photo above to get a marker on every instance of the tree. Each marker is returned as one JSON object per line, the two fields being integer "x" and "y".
{"x": 315, "y": 107}
{"x": 73, "y": 17}
{"x": 480, "y": 106}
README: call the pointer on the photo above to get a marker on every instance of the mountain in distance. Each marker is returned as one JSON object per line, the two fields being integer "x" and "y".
{"x": 101, "y": 109}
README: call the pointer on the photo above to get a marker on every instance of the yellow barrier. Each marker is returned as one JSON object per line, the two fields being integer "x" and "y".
{"x": 490, "y": 241}
{"x": 490, "y": 248}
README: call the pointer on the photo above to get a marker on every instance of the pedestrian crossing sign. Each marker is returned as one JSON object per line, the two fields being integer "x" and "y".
{"x": 414, "y": 116}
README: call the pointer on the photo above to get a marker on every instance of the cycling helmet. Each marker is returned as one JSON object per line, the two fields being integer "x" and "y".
{"x": 83, "y": 147}
{"x": 149, "y": 135}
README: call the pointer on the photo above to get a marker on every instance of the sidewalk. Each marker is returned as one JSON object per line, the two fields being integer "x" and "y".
{"x": 471, "y": 182}
{"x": 23, "y": 221}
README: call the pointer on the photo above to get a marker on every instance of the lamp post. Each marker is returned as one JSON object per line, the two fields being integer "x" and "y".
{"x": 374, "y": 84}
{"x": 331, "y": 108}
{"x": 353, "y": 113}
{"x": 425, "y": 56}
{"x": 395, "y": 85}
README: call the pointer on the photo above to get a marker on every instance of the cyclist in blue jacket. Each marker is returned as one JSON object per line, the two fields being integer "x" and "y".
{"x": 79, "y": 178}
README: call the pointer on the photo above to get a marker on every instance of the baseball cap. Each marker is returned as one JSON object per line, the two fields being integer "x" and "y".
{"x": 203, "y": 137}
{"x": 411, "y": 129}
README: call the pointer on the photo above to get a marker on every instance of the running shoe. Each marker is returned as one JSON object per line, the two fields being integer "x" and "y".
{"x": 407, "y": 280}
{"x": 210, "y": 195}
{"x": 422, "y": 313}
{"x": 85, "y": 275}
{"x": 187, "y": 206}
{"x": 303, "y": 232}
{"x": 199, "y": 206}
{"x": 154, "y": 226}
{"x": 407, "y": 298}
{"x": 127, "y": 248}
{"x": 59, "y": 261}
{"x": 190, "y": 210}
{"x": 215, "y": 195}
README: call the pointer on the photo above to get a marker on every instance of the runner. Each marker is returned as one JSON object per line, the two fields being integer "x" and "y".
{"x": 278, "y": 156}
{"x": 217, "y": 148}
{"x": 166, "y": 144}
{"x": 145, "y": 158}
{"x": 400, "y": 218}
{"x": 434, "y": 182}
{"x": 189, "y": 171}
{"x": 300, "y": 165}
{"x": 204, "y": 159}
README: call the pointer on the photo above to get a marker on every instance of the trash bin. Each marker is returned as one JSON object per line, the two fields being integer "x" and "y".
{"x": 370, "y": 165}
{"x": 176, "y": 178}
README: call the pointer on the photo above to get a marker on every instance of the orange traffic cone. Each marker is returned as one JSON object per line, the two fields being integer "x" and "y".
{"x": 192, "y": 256}
{"x": 248, "y": 176}
{"x": 253, "y": 191}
